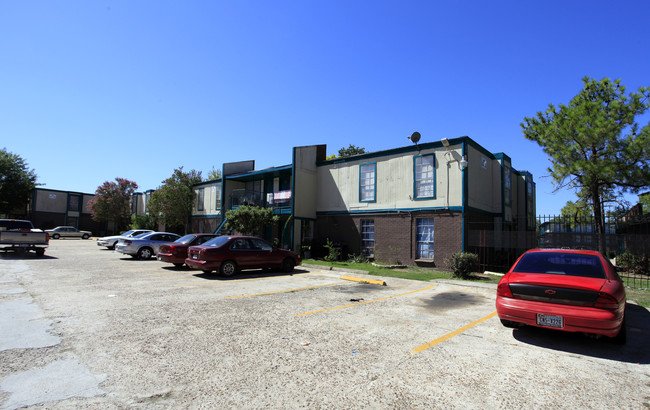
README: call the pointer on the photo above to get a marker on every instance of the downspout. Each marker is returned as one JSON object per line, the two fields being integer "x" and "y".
{"x": 464, "y": 200}
{"x": 293, "y": 199}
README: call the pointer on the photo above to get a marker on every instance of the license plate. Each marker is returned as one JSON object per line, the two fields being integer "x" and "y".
{"x": 195, "y": 256}
{"x": 550, "y": 320}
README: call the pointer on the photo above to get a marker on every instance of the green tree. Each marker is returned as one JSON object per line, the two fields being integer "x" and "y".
{"x": 112, "y": 202}
{"x": 644, "y": 200}
{"x": 351, "y": 151}
{"x": 174, "y": 200}
{"x": 214, "y": 174}
{"x": 594, "y": 142}
{"x": 16, "y": 182}
{"x": 249, "y": 220}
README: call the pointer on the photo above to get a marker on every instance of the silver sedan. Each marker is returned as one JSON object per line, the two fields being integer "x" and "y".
{"x": 144, "y": 246}
{"x": 111, "y": 241}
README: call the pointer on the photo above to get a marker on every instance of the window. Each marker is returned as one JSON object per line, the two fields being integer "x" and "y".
{"x": 425, "y": 238}
{"x": 368, "y": 237}
{"x": 367, "y": 182}
{"x": 73, "y": 203}
{"x": 424, "y": 168}
{"x": 507, "y": 183}
{"x": 199, "y": 200}
{"x": 217, "y": 197}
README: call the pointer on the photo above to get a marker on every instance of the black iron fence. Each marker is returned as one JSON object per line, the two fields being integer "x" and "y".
{"x": 499, "y": 244}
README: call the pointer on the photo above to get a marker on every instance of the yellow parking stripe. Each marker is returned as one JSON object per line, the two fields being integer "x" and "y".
{"x": 361, "y": 303}
{"x": 220, "y": 282}
{"x": 452, "y": 334}
{"x": 287, "y": 290}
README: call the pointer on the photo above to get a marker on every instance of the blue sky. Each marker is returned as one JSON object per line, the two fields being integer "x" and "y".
{"x": 96, "y": 90}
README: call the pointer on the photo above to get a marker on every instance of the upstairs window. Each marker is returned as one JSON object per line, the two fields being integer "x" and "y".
{"x": 199, "y": 200}
{"x": 367, "y": 182}
{"x": 424, "y": 169}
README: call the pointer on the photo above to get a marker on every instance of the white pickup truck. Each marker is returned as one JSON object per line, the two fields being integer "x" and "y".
{"x": 20, "y": 236}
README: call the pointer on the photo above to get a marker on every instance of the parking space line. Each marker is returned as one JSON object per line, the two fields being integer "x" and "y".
{"x": 287, "y": 290}
{"x": 452, "y": 334}
{"x": 220, "y": 282}
{"x": 361, "y": 303}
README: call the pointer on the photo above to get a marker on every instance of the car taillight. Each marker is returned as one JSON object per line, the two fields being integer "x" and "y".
{"x": 503, "y": 290}
{"x": 606, "y": 301}
{"x": 127, "y": 242}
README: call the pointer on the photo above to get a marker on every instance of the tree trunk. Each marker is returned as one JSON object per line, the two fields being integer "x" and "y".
{"x": 598, "y": 220}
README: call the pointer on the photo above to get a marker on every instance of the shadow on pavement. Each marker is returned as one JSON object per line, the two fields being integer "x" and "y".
{"x": 634, "y": 351}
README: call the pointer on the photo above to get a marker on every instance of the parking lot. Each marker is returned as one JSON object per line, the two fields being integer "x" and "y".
{"x": 85, "y": 327}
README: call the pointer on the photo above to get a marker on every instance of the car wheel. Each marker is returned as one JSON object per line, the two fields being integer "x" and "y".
{"x": 112, "y": 247}
{"x": 85, "y": 236}
{"x": 621, "y": 337}
{"x": 510, "y": 324}
{"x": 145, "y": 253}
{"x": 55, "y": 236}
{"x": 288, "y": 265}
{"x": 228, "y": 268}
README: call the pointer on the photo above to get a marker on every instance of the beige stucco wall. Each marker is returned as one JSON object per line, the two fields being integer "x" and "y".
{"x": 51, "y": 201}
{"x": 211, "y": 199}
{"x": 484, "y": 181}
{"x": 338, "y": 183}
{"x": 306, "y": 182}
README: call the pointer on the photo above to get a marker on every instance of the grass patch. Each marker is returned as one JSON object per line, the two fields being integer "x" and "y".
{"x": 637, "y": 290}
{"x": 410, "y": 272}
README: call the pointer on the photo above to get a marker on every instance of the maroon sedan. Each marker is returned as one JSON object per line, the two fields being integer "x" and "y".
{"x": 230, "y": 254}
{"x": 176, "y": 252}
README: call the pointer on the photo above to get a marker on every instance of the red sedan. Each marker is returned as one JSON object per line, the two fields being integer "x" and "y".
{"x": 176, "y": 252}
{"x": 230, "y": 254}
{"x": 569, "y": 290}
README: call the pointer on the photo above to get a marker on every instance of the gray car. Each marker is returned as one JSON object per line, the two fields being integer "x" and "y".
{"x": 146, "y": 245}
{"x": 68, "y": 232}
{"x": 111, "y": 241}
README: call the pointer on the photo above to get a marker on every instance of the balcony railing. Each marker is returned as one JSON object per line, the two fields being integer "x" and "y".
{"x": 276, "y": 200}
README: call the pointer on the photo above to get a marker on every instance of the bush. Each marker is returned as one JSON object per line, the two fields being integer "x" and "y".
{"x": 333, "y": 253}
{"x": 361, "y": 258}
{"x": 463, "y": 264}
{"x": 639, "y": 264}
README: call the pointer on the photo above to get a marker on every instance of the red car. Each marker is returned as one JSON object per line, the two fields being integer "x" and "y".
{"x": 569, "y": 290}
{"x": 176, "y": 252}
{"x": 230, "y": 254}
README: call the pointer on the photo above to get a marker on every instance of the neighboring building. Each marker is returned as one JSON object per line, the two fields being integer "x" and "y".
{"x": 49, "y": 208}
{"x": 413, "y": 205}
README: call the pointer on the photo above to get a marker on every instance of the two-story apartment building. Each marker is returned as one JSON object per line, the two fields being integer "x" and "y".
{"x": 413, "y": 205}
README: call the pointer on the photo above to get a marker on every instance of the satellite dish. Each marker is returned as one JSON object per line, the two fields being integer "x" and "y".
{"x": 415, "y": 137}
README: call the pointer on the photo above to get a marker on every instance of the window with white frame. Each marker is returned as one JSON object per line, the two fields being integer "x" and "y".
{"x": 424, "y": 169}
{"x": 367, "y": 182}
{"x": 425, "y": 238}
{"x": 368, "y": 237}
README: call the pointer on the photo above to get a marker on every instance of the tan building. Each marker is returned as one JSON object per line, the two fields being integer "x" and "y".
{"x": 411, "y": 205}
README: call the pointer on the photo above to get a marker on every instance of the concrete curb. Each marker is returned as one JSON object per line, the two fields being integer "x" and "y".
{"x": 371, "y": 281}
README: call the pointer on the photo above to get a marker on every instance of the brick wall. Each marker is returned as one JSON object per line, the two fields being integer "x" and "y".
{"x": 395, "y": 236}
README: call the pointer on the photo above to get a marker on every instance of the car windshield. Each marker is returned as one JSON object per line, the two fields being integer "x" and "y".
{"x": 127, "y": 233}
{"x": 561, "y": 263}
{"x": 185, "y": 239}
{"x": 217, "y": 242}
